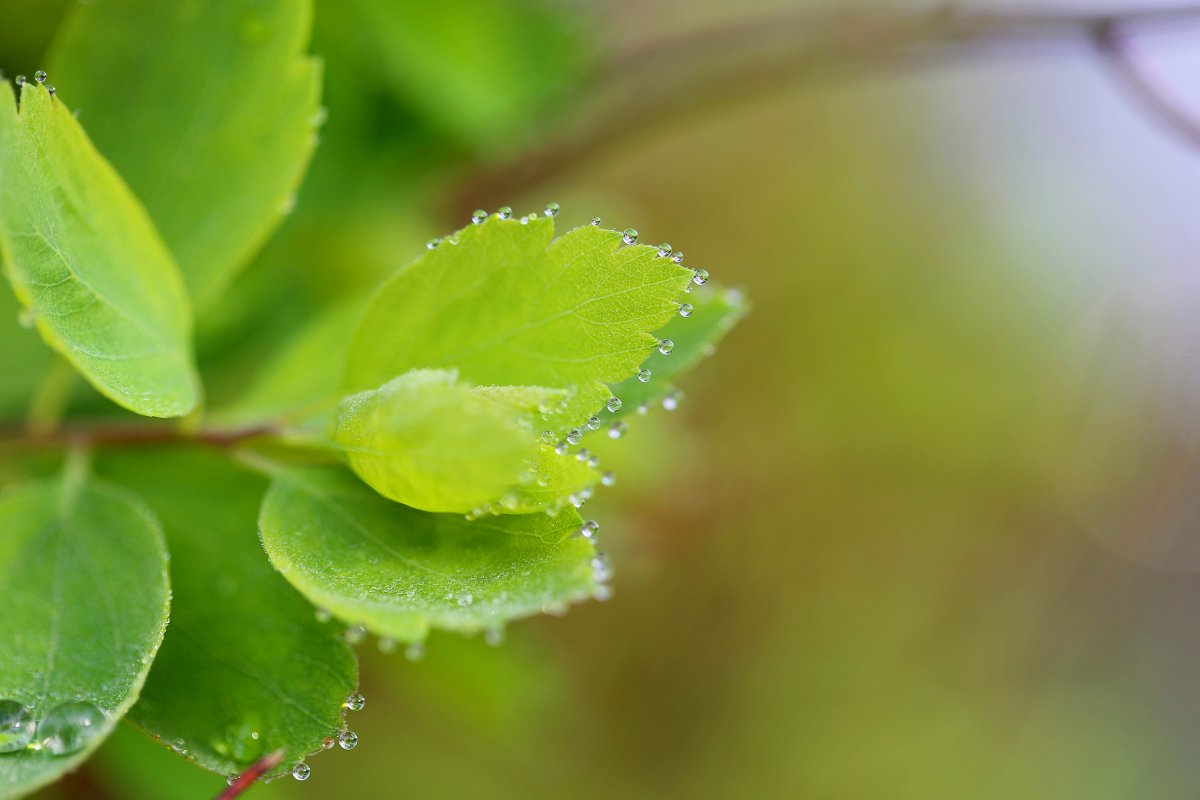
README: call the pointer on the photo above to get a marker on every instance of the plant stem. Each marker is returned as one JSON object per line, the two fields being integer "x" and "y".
{"x": 75, "y": 435}
{"x": 666, "y": 82}
{"x": 50, "y": 400}
{"x": 247, "y": 778}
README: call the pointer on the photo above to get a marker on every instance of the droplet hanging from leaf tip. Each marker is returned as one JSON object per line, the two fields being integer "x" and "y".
{"x": 356, "y": 702}
{"x": 685, "y": 310}
{"x": 301, "y": 771}
{"x": 701, "y": 277}
{"x": 552, "y": 209}
{"x": 595, "y": 222}
{"x": 666, "y": 347}
{"x": 643, "y": 375}
{"x": 347, "y": 740}
{"x": 40, "y": 76}
{"x": 614, "y": 404}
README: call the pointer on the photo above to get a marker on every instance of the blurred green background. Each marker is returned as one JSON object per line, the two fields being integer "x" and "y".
{"x": 927, "y": 526}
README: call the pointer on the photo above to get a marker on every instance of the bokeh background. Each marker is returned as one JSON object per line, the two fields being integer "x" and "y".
{"x": 928, "y": 525}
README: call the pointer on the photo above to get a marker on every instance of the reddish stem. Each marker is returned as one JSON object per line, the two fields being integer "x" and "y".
{"x": 259, "y": 768}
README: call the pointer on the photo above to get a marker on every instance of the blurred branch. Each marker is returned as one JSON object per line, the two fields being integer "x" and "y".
{"x": 664, "y": 82}
{"x": 244, "y": 781}
{"x": 1111, "y": 42}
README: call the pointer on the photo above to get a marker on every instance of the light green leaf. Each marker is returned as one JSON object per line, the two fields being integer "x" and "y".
{"x": 83, "y": 574}
{"x": 715, "y": 311}
{"x": 399, "y": 572}
{"x": 209, "y": 111}
{"x": 23, "y": 359}
{"x": 435, "y": 444}
{"x": 245, "y": 669}
{"x": 85, "y": 259}
{"x": 425, "y": 440}
{"x": 505, "y": 305}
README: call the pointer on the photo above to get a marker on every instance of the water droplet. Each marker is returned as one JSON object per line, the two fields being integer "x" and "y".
{"x": 51, "y": 90}
{"x": 629, "y": 236}
{"x": 387, "y": 645}
{"x": 644, "y": 375}
{"x": 415, "y": 651}
{"x": 574, "y": 436}
{"x": 524, "y": 220}
{"x": 323, "y": 615}
{"x": 593, "y": 423}
{"x": 355, "y": 702}
{"x": 589, "y": 530}
{"x": 666, "y": 347}
{"x": 677, "y": 256}
{"x": 671, "y": 399}
{"x": 347, "y": 740}
{"x": 617, "y": 430}
{"x": 664, "y": 250}
{"x": 603, "y": 592}
{"x": 613, "y": 404}
{"x": 40, "y": 76}
{"x": 433, "y": 243}
{"x": 495, "y": 636}
{"x": 464, "y": 599}
{"x": 608, "y": 479}
{"x": 355, "y": 635}
{"x": 301, "y": 771}
{"x": 562, "y": 447}
{"x": 583, "y": 455}
{"x": 595, "y": 220}
{"x": 231, "y": 780}
{"x": 19, "y": 80}
{"x": 685, "y": 310}
{"x": 602, "y": 568}
{"x": 16, "y": 726}
{"x": 593, "y": 462}
{"x": 576, "y": 500}
{"x": 643, "y": 409}
{"x": 478, "y": 217}
{"x": 701, "y": 277}
{"x": 552, "y": 209}
{"x": 69, "y": 727}
{"x": 504, "y": 212}
{"x": 548, "y": 437}
{"x": 328, "y": 742}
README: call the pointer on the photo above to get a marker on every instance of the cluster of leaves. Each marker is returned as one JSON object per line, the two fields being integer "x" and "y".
{"x": 429, "y": 477}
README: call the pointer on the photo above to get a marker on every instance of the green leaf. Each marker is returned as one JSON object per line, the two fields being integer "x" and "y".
{"x": 480, "y": 70}
{"x": 428, "y": 441}
{"x": 715, "y": 311}
{"x": 208, "y": 110}
{"x": 506, "y": 306}
{"x": 245, "y": 669}
{"x": 399, "y": 572}
{"x": 301, "y": 379}
{"x": 83, "y": 574}
{"x": 85, "y": 259}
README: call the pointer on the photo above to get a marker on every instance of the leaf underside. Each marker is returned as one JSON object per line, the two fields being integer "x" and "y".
{"x": 85, "y": 589}
{"x": 715, "y": 311}
{"x": 400, "y": 572}
{"x": 84, "y": 258}
{"x": 245, "y": 668}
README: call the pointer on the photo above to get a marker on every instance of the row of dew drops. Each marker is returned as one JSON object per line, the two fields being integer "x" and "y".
{"x": 40, "y": 76}
{"x": 66, "y": 728}
{"x": 345, "y": 739}
{"x": 670, "y": 401}
{"x": 600, "y": 563}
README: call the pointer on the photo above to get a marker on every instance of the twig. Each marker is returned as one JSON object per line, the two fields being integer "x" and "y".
{"x": 259, "y": 768}
{"x": 1110, "y": 41}
{"x": 667, "y": 81}
{"x": 125, "y": 434}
